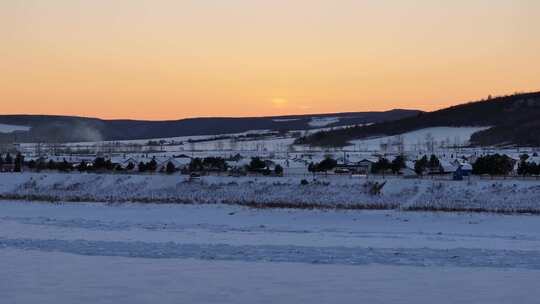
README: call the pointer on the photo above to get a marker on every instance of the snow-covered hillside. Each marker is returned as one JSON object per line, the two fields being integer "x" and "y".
{"x": 416, "y": 140}
{"x": 323, "y": 121}
{"x": 4, "y": 128}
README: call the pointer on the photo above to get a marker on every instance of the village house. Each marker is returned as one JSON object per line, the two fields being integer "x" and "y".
{"x": 464, "y": 166}
{"x": 361, "y": 167}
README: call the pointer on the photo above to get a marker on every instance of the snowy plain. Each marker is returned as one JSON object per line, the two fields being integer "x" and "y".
{"x": 169, "y": 253}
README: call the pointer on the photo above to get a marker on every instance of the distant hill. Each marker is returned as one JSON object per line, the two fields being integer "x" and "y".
{"x": 514, "y": 120}
{"x": 47, "y": 128}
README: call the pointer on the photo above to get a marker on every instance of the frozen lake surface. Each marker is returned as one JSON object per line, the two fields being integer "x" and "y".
{"x": 140, "y": 253}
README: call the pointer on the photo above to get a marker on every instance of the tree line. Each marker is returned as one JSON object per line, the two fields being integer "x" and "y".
{"x": 15, "y": 162}
{"x": 526, "y": 167}
{"x": 99, "y": 164}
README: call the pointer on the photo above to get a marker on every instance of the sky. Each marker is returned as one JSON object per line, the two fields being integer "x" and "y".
{"x": 171, "y": 59}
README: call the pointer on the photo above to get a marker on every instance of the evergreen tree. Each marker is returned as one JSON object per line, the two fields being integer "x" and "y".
{"x": 83, "y": 166}
{"x": 151, "y": 165}
{"x": 51, "y": 165}
{"x": 99, "y": 163}
{"x": 32, "y": 164}
{"x": 528, "y": 168}
{"x": 142, "y": 167}
{"x": 196, "y": 164}
{"x": 381, "y": 166}
{"x": 64, "y": 166}
{"x": 109, "y": 165}
{"x": 311, "y": 167}
{"x": 421, "y": 165}
{"x": 19, "y": 161}
{"x": 434, "y": 164}
{"x": 41, "y": 165}
{"x": 397, "y": 164}
{"x": 256, "y": 164}
{"x": 170, "y": 168}
{"x": 495, "y": 164}
{"x": 8, "y": 160}
{"x": 278, "y": 170}
{"x": 214, "y": 164}
{"x": 327, "y": 164}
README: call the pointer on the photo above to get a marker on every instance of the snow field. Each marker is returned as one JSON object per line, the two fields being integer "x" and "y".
{"x": 330, "y": 192}
{"x": 415, "y": 140}
{"x": 4, "y": 128}
{"x": 111, "y": 280}
{"x": 170, "y": 253}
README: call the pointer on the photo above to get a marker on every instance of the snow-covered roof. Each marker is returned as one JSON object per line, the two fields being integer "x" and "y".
{"x": 177, "y": 162}
{"x": 466, "y": 166}
{"x": 534, "y": 159}
{"x": 447, "y": 166}
{"x": 369, "y": 159}
{"x": 409, "y": 164}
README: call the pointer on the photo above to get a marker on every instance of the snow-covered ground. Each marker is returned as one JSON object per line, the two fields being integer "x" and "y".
{"x": 12, "y": 128}
{"x": 141, "y": 253}
{"x": 343, "y": 192}
{"x": 416, "y": 140}
{"x": 285, "y": 119}
{"x": 323, "y": 121}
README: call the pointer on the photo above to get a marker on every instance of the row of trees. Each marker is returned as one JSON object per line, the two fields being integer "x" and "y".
{"x": 527, "y": 168}
{"x": 215, "y": 164}
{"x": 383, "y": 165}
{"x": 99, "y": 164}
{"x": 424, "y": 164}
{"x": 325, "y": 165}
{"x": 494, "y": 164}
{"x": 219, "y": 164}
{"x": 257, "y": 165}
{"x": 63, "y": 166}
{"x": 8, "y": 159}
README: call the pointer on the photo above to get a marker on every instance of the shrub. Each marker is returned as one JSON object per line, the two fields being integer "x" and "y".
{"x": 278, "y": 170}
{"x": 256, "y": 164}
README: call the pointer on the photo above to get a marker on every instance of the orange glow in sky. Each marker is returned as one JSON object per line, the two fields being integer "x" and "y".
{"x": 165, "y": 59}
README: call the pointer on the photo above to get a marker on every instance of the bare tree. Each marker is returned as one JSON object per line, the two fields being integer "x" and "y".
{"x": 430, "y": 143}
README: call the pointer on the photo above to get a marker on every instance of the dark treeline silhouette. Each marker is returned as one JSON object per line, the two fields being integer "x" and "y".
{"x": 215, "y": 164}
{"x": 51, "y": 128}
{"x": 325, "y": 165}
{"x": 513, "y": 120}
{"x": 494, "y": 164}
{"x": 526, "y": 167}
{"x": 10, "y": 163}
